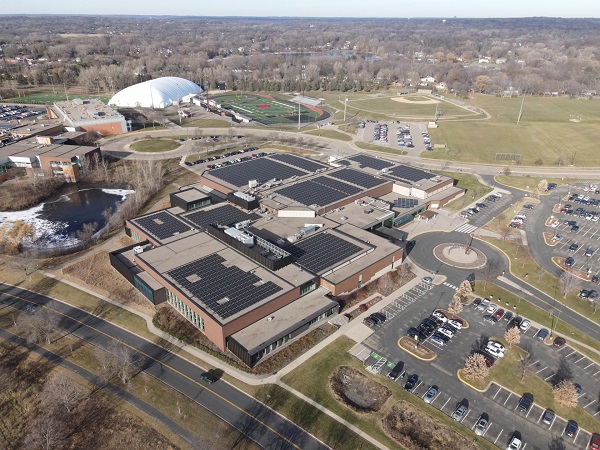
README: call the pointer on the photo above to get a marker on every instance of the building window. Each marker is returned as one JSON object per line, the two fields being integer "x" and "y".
{"x": 184, "y": 309}
{"x": 307, "y": 288}
{"x": 145, "y": 290}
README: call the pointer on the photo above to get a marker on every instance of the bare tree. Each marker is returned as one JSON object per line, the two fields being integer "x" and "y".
{"x": 475, "y": 367}
{"x": 563, "y": 371}
{"x": 567, "y": 282}
{"x": 512, "y": 336}
{"x": 489, "y": 273}
{"x": 507, "y": 171}
{"x": 557, "y": 443}
{"x": 542, "y": 186}
{"x": 455, "y": 306}
{"x": 565, "y": 393}
{"x": 38, "y": 326}
{"x": 118, "y": 361}
{"x": 45, "y": 432}
{"x": 62, "y": 391}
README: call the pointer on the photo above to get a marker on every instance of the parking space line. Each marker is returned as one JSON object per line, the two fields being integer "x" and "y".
{"x": 576, "y": 434}
{"x": 596, "y": 373}
{"x": 533, "y": 363}
{"x": 570, "y": 353}
{"x": 583, "y": 357}
{"x": 542, "y": 369}
{"x": 547, "y": 378}
{"x": 417, "y": 386}
{"x": 589, "y": 403}
{"x": 590, "y": 364}
{"x": 597, "y": 412}
{"x": 498, "y": 437}
{"x": 524, "y": 445}
{"x": 541, "y": 415}
{"x": 530, "y": 409}
{"x": 509, "y": 395}
{"x": 497, "y": 392}
{"x": 487, "y": 428}
{"x": 465, "y": 416}
{"x": 445, "y": 403}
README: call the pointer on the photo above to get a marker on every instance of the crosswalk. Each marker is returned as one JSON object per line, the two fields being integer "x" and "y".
{"x": 450, "y": 285}
{"x": 466, "y": 228}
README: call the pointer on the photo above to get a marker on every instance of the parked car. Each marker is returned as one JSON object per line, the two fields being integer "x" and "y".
{"x": 499, "y": 313}
{"x": 594, "y": 442}
{"x": 508, "y": 316}
{"x": 427, "y": 280}
{"x": 378, "y": 317}
{"x": 460, "y": 411}
{"x": 489, "y": 318}
{"x": 525, "y": 325}
{"x": 571, "y": 428}
{"x": 569, "y": 261}
{"x": 455, "y": 324}
{"x": 491, "y": 309}
{"x": 515, "y": 443}
{"x": 476, "y": 302}
{"x": 396, "y": 371}
{"x": 525, "y": 402}
{"x": 481, "y": 425}
{"x": 559, "y": 342}
{"x": 431, "y": 394}
{"x": 411, "y": 382}
{"x": 548, "y": 417}
{"x": 542, "y": 334}
{"x": 446, "y": 332}
{"x": 439, "y": 316}
{"x": 438, "y": 340}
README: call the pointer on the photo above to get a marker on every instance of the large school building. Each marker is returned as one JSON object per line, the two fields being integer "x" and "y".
{"x": 255, "y": 253}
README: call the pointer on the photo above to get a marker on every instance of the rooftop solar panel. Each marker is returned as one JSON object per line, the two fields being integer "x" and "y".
{"x": 322, "y": 251}
{"x": 356, "y": 177}
{"x": 224, "y": 290}
{"x": 410, "y": 173}
{"x": 162, "y": 225}
{"x": 223, "y": 215}
{"x": 337, "y": 185}
{"x": 261, "y": 169}
{"x": 369, "y": 161}
{"x": 405, "y": 203}
{"x": 311, "y": 193}
{"x": 297, "y": 161}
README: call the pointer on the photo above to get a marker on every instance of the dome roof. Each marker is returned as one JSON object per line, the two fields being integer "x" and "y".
{"x": 158, "y": 93}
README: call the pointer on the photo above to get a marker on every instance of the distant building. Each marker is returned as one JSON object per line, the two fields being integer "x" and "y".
{"x": 159, "y": 93}
{"x": 88, "y": 115}
{"x": 42, "y": 160}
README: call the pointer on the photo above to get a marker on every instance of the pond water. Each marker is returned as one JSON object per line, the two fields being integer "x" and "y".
{"x": 60, "y": 216}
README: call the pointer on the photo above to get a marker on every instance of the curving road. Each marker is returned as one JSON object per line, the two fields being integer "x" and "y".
{"x": 249, "y": 416}
{"x": 422, "y": 255}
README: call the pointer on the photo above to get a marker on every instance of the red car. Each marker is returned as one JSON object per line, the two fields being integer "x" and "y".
{"x": 559, "y": 342}
{"x": 499, "y": 314}
{"x": 595, "y": 442}
{"x": 363, "y": 307}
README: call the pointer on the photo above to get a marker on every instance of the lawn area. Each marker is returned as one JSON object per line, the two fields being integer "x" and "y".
{"x": 331, "y": 134}
{"x": 521, "y": 263}
{"x": 411, "y": 106}
{"x": 155, "y": 145}
{"x": 529, "y": 184}
{"x": 544, "y": 120}
{"x": 539, "y": 315}
{"x": 506, "y": 372}
{"x": 473, "y": 187}
{"x": 312, "y": 379}
{"x": 207, "y": 123}
{"x": 47, "y": 98}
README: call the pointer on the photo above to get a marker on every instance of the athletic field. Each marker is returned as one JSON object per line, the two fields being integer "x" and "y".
{"x": 268, "y": 110}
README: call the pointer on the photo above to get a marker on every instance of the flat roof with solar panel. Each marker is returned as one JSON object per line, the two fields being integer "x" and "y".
{"x": 405, "y": 203}
{"x": 357, "y": 177}
{"x": 310, "y": 192}
{"x": 223, "y": 214}
{"x": 297, "y": 161}
{"x": 410, "y": 174}
{"x": 223, "y": 289}
{"x": 162, "y": 225}
{"x": 323, "y": 251}
{"x": 260, "y": 169}
{"x": 371, "y": 162}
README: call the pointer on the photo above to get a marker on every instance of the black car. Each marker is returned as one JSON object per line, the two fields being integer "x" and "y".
{"x": 525, "y": 402}
{"x": 528, "y": 206}
{"x": 508, "y": 316}
{"x": 476, "y": 302}
{"x": 208, "y": 377}
{"x": 396, "y": 371}
{"x": 378, "y": 317}
{"x": 412, "y": 332}
{"x": 481, "y": 205}
{"x": 571, "y": 428}
{"x": 517, "y": 321}
{"x": 369, "y": 321}
{"x": 410, "y": 383}
{"x": 569, "y": 261}
{"x": 441, "y": 336}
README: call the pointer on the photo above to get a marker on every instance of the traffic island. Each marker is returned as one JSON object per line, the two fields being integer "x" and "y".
{"x": 460, "y": 256}
{"x": 549, "y": 239}
{"x": 472, "y": 384}
{"x": 581, "y": 274}
{"x": 419, "y": 351}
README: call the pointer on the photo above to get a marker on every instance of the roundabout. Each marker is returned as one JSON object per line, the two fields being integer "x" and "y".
{"x": 460, "y": 256}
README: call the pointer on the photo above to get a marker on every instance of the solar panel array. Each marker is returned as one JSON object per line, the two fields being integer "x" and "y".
{"x": 321, "y": 251}
{"x": 162, "y": 225}
{"x": 369, "y": 161}
{"x": 296, "y": 161}
{"x": 405, "y": 203}
{"x": 225, "y": 290}
{"x": 224, "y": 215}
{"x": 410, "y": 173}
{"x": 337, "y": 185}
{"x": 356, "y": 177}
{"x": 311, "y": 193}
{"x": 261, "y": 169}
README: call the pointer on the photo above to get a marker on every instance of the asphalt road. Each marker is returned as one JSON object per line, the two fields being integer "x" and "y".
{"x": 250, "y": 417}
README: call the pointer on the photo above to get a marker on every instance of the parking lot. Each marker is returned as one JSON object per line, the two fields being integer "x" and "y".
{"x": 13, "y": 112}
{"x": 488, "y": 212}
{"x": 387, "y": 135}
{"x": 498, "y": 403}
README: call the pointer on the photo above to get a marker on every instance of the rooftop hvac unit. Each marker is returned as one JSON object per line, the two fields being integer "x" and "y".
{"x": 385, "y": 170}
{"x": 252, "y": 183}
{"x": 270, "y": 318}
{"x": 138, "y": 249}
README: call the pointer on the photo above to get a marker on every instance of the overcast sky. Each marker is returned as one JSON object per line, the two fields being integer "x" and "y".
{"x": 312, "y": 8}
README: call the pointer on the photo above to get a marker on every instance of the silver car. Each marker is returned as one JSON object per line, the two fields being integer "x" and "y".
{"x": 481, "y": 426}
{"x": 431, "y": 394}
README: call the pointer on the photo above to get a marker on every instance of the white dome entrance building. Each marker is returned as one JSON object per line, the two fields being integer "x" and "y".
{"x": 159, "y": 93}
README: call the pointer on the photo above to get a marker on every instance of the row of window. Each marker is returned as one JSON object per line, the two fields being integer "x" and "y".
{"x": 185, "y": 310}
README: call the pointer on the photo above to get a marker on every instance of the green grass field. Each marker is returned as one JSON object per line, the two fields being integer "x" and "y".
{"x": 331, "y": 134}
{"x": 155, "y": 146}
{"x": 474, "y": 189}
{"x": 545, "y": 132}
{"x": 267, "y": 109}
{"x": 44, "y": 98}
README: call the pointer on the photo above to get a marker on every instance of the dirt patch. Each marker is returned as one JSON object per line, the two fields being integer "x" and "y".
{"x": 358, "y": 391}
{"x": 425, "y": 101}
{"x": 416, "y": 430}
{"x": 549, "y": 239}
{"x": 420, "y": 351}
{"x": 581, "y": 274}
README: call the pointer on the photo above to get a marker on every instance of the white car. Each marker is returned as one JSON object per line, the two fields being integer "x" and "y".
{"x": 525, "y": 325}
{"x": 514, "y": 444}
{"x": 456, "y": 324}
{"x": 446, "y": 332}
{"x": 595, "y": 218}
{"x": 586, "y": 189}
{"x": 495, "y": 352}
{"x": 555, "y": 224}
{"x": 496, "y": 344}
{"x": 498, "y": 194}
{"x": 439, "y": 316}
{"x": 491, "y": 309}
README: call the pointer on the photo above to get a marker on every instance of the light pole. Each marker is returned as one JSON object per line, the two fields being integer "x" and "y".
{"x": 52, "y": 82}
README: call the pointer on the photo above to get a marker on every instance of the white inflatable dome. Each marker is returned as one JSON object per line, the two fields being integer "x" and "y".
{"x": 159, "y": 93}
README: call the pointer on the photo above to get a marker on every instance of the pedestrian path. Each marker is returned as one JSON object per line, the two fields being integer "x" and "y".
{"x": 466, "y": 228}
{"x": 450, "y": 285}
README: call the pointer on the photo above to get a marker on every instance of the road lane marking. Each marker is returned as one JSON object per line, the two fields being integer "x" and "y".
{"x": 163, "y": 364}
